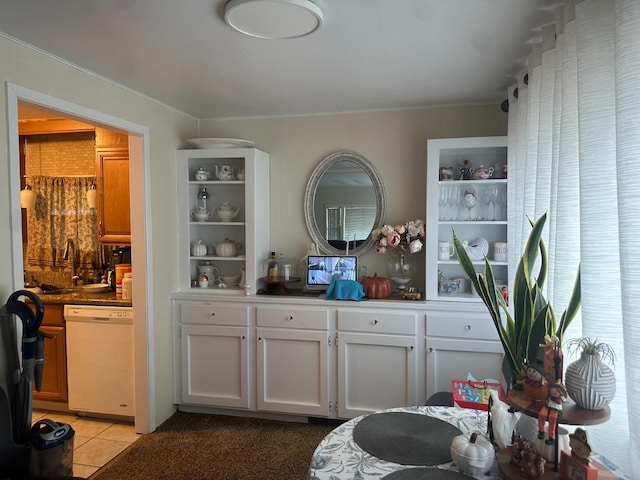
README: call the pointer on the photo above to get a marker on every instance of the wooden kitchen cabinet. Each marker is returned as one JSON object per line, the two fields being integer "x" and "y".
{"x": 112, "y": 182}
{"x": 54, "y": 378}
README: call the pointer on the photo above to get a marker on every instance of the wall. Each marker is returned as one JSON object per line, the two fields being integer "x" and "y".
{"x": 394, "y": 141}
{"x": 29, "y": 68}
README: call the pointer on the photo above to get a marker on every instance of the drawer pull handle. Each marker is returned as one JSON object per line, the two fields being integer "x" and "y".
{"x": 213, "y": 314}
{"x": 290, "y": 318}
{"x": 467, "y": 327}
{"x": 374, "y": 322}
{"x": 242, "y": 337}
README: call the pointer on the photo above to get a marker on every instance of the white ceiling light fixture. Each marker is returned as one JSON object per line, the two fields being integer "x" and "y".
{"x": 273, "y": 19}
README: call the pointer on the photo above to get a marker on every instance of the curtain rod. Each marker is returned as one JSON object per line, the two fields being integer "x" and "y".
{"x": 60, "y": 176}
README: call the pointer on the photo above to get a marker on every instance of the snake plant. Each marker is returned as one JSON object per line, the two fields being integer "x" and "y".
{"x": 522, "y": 332}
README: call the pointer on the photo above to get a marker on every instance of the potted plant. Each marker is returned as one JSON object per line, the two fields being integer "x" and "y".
{"x": 589, "y": 380}
{"x": 523, "y": 332}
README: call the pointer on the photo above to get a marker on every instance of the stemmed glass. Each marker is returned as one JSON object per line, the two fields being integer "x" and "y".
{"x": 469, "y": 200}
{"x": 489, "y": 209}
{"x": 454, "y": 202}
{"x": 442, "y": 202}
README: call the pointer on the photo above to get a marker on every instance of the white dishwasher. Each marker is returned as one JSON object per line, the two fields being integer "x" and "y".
{"x": 100, "y": 359}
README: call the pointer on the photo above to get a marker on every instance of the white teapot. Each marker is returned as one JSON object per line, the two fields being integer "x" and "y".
{"x": 482, "y": 173}
{"x": 201, "y": 214}
{"x": 228, "y": 248}
{"x": 227, "y": 212}
{"x": 225, "y": 172}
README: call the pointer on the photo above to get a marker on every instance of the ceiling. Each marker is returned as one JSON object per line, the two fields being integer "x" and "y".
{"x": 368, "y": 55}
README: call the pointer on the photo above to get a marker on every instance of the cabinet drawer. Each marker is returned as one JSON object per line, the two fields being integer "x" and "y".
{"x": 461, "y": 326}
{"x": 214, "y": 314}
{"x": 298, "y": 317}
{"x": 377, "y": 322}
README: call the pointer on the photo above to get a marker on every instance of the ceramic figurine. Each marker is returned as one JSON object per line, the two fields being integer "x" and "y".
{"x": 579, "y": 443}
{"x": 465, "y": 171}
{"x": 525, "y": 456}
{"x": 550, "y": 411}
{"x": 533, "y": 381}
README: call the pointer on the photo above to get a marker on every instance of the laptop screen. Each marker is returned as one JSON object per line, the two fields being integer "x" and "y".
{"x": 321, "y": 269}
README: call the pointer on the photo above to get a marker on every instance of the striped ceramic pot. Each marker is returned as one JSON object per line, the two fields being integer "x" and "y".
{"x": 590, "y": 382}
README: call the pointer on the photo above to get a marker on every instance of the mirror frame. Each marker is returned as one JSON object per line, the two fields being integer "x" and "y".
{"x": 309, "y": 196}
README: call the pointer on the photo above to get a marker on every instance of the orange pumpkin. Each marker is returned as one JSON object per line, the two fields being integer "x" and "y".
{"x": 376, "y": 287}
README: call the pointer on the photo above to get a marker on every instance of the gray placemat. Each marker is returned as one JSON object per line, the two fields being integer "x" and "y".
{"x": 426, "y": 474}
{"x": 406, "y": 438}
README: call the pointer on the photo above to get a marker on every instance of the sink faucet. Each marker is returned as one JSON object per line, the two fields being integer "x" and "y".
{"x": 70, "y": 250}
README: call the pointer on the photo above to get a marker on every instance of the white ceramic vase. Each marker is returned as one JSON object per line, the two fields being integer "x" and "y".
{"x": 590, "y": 382}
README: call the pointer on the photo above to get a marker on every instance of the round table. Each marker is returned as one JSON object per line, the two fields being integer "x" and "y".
{"x": 338, "y": 456}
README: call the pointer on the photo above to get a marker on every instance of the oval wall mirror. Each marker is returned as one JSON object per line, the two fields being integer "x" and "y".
{"x": 344, "y": 201}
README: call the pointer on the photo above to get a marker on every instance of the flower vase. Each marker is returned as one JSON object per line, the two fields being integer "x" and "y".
{"x": 400, "y": 271}
{"x": 590, "y": 383}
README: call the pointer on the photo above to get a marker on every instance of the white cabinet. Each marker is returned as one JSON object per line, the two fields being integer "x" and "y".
{"x": 214, "y": 354}
{"x": 377, "y": 360}
{"x": 459, "y": 343}
{"x": 293, "y": 346}
{"x": 485, "y": 223}
{"x": 248, "y": 231}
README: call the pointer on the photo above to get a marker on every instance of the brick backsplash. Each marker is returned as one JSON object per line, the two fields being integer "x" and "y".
{"x": 60, "y": 154}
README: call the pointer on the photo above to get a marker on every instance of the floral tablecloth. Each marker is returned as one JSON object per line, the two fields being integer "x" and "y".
{"x": 339, "y": 457}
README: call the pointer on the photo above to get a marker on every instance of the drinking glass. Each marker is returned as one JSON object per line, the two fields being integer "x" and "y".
{"x": 442, "y": 203}
{"x": 487, "y": 198}
{"x": 454, "y": 202}
{"x": 469, "y": 200}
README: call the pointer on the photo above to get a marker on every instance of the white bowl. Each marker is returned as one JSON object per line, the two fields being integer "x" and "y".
{"x": 96, "y": 287}
{"x": 230, "y": 279}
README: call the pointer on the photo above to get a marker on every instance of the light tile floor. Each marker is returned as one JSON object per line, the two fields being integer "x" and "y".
{"x": 95, "y": 441}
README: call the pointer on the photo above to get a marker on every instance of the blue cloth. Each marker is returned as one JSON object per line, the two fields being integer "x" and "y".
{"x": 341, "y": 289}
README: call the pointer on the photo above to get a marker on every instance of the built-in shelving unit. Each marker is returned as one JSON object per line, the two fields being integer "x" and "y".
{"x": 450, "y": 166}
{"x": 248, "y": 231}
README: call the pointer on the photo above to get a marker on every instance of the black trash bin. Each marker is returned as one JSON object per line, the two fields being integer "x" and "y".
{"x": 52, "y": 450}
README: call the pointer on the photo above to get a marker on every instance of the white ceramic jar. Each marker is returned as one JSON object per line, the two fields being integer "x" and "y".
{"x": 127, "y": 284}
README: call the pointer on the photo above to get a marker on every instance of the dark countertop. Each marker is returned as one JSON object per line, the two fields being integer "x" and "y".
{"x": 77, "y": 296}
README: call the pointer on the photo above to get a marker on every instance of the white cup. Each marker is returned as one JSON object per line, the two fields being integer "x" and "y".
{"x": 445, "y": 250}
{"x": 500, "y": 251}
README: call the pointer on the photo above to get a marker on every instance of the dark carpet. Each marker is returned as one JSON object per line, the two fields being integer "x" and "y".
{"x": 197, "y": 446}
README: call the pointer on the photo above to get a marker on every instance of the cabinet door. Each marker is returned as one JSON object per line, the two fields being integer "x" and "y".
{"x": 114, "y": 217}
{"x": 54, "y": 376}
{"x": 293, "y": 371}
{"x": 375, "y": 372}
{"x": 215, "y": 363}
{"x": 454, "y": 358}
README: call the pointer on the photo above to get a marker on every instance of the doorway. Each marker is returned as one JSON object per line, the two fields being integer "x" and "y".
{"x": 139, "y": 198}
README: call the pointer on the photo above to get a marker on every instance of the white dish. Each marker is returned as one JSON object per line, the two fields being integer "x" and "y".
{"x": 220, "y": 143}
{"x": 96, "y": 287}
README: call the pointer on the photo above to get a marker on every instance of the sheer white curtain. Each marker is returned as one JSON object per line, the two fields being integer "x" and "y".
{"x": 574, "y": 146}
